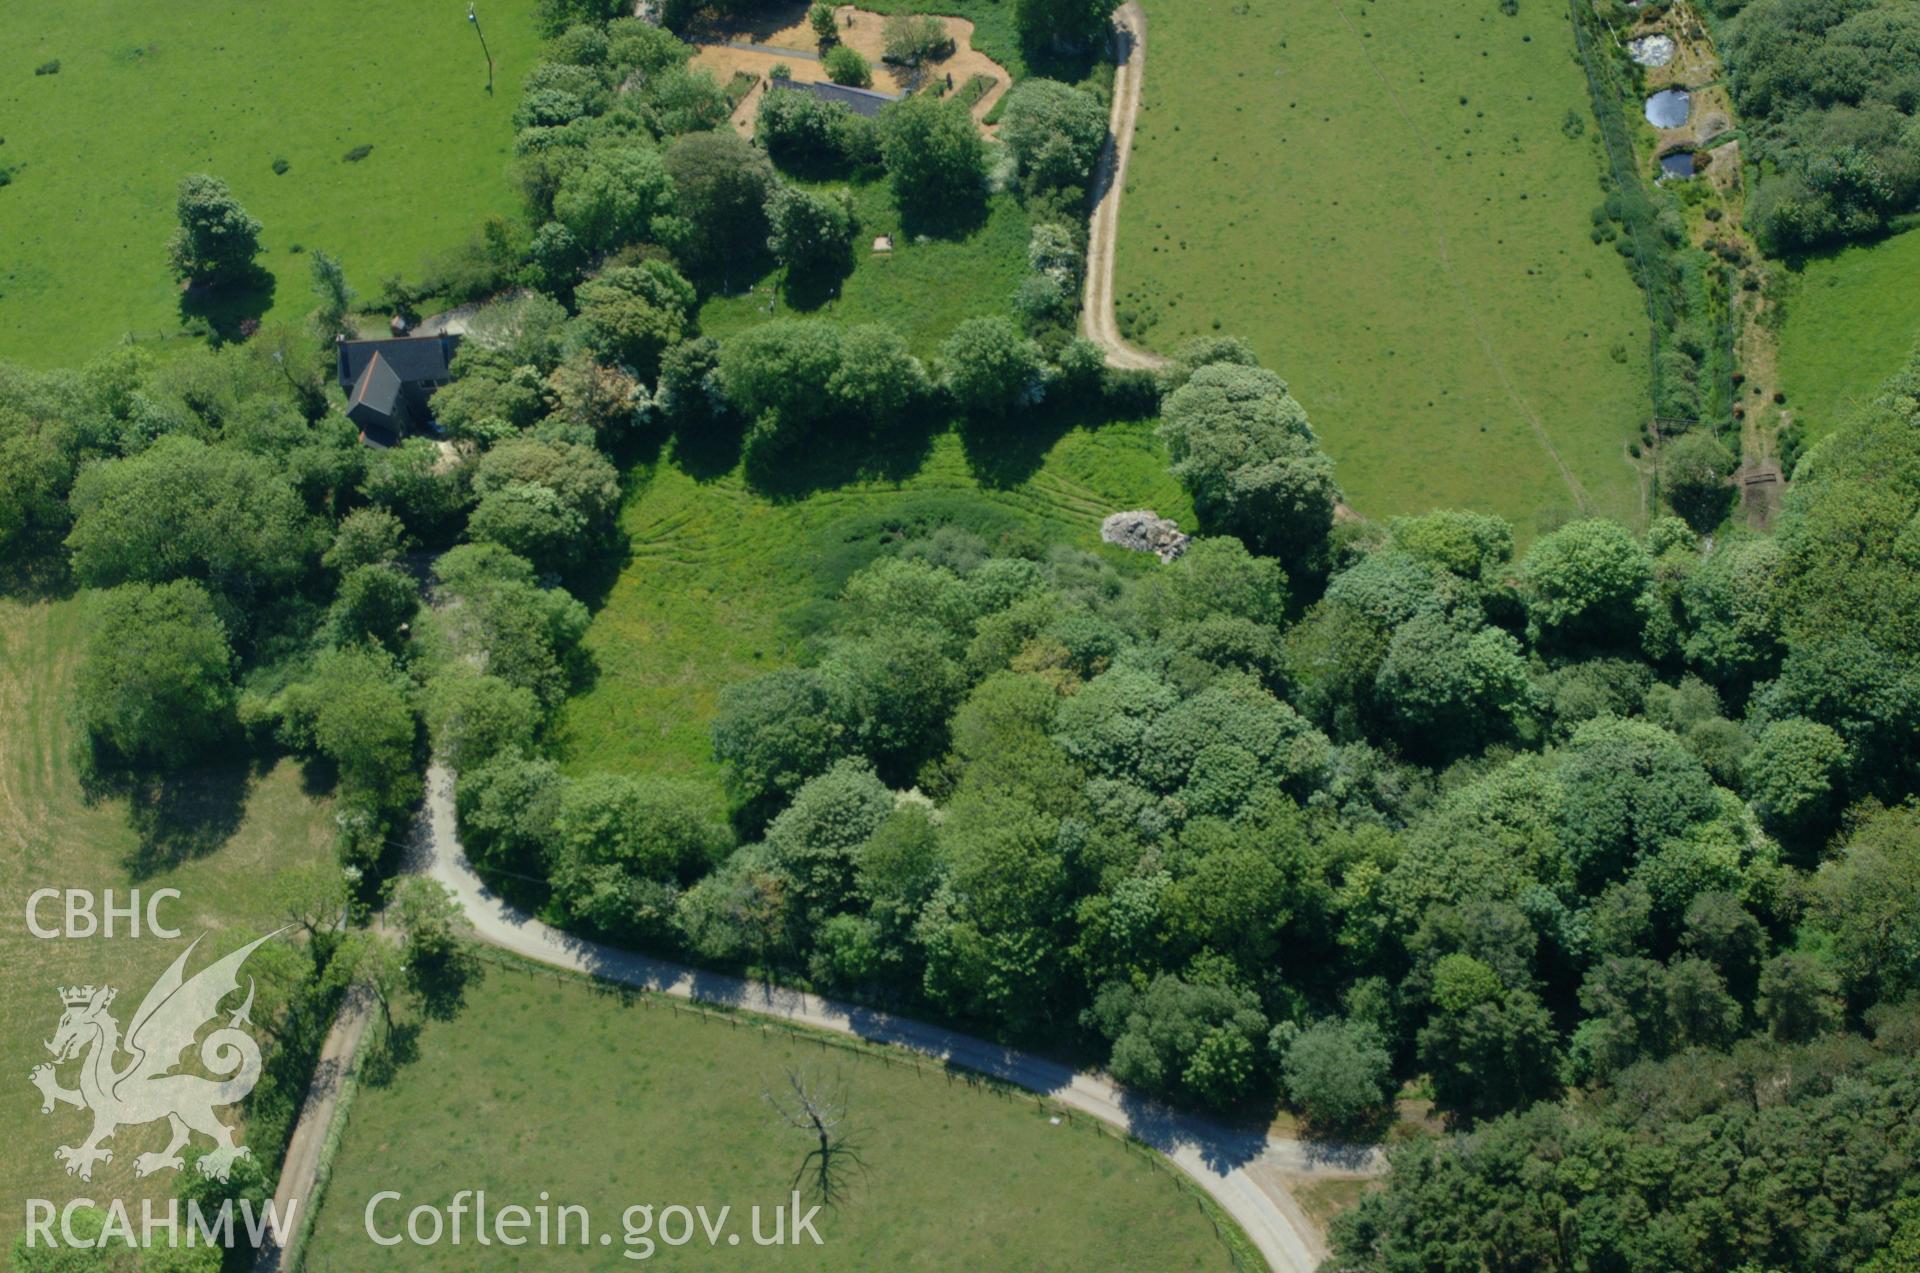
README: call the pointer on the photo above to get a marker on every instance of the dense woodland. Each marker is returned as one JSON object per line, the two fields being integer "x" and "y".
{"x": 1826, "y": 95}
{"x": 1608, "y": 847}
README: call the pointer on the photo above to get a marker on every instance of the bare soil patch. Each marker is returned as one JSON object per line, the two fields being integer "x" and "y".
{"x": 1695, "y": 61}
{"x": 785, "y": 37}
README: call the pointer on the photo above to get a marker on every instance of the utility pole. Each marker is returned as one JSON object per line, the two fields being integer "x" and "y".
{"x": 475, "y": 19}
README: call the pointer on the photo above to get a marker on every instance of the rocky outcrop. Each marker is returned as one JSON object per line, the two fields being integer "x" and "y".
{"x": 1145, "y": 531}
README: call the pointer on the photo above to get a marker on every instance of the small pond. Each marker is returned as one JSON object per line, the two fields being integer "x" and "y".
{"x": 1668, "y": 108}
{"x": 1678, "y": 164}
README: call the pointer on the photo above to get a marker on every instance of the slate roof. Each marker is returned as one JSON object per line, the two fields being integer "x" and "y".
{"x": 411, "y": 359}
{"x": 861, "y": 101}
{"x": 378, "y": 387}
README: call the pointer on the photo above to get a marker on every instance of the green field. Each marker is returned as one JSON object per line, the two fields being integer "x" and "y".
{"x": 1851, "y": 319}
{"x": 219, "y": 840}
{"x": 147, "y": 93}
{"x": 923, "y": 289}
{"x": 1419, "y": 269}
{"x": 547, "y": 1085}
{"x": 725, "y": 584}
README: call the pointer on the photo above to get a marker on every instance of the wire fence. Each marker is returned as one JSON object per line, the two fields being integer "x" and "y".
{"x": 1240, "y": 1250}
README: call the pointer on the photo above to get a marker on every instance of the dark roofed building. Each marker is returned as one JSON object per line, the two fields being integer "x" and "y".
{"x": 861, "y": 101}
{"x": 388, "y": 382}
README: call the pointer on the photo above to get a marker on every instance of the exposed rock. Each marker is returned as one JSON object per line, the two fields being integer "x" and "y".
{"x": 1651, "y": 50}
{"x": 1145, "y": 531}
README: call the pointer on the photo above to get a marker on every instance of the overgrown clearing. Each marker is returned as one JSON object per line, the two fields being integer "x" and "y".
{"x": 1850, "y": 320}
{"x": 543, "y": 1087}
{"x": 922, "y": 289}
{"x": 1393, "y": 205}
{"x": 725, "y": 584}
{"x": 219, "y": 840}
{"x": 148, "y": 93}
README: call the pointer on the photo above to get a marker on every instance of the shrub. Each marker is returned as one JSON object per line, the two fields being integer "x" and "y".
{"x": 1055, "y": 131}
{"x": 991, "y": 368}
{"x": 936, "y": 158}
{"x": 280, "y": 167}
{"x": 48, "y": 68}
{"x": 825, "y": 28}
{"x": 358, "y": 153}
{"x": 802, "y": 132}
{"x": 910, "y": 39}
{"x": 845, "y": 66}
{"x": 811, "y": 231}
{"x": 1694, "y": 470}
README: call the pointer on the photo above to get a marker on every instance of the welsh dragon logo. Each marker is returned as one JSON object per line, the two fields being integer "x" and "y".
{"x": 146, "y": 1088}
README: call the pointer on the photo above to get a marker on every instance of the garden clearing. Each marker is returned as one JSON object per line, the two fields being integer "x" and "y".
{"x": 218, "y": 835}
{"x": 1392, "y": 205}
{"x": 922, "y": 289}
{"x": 146, "y": 94}
{"x": 780, "y": 35}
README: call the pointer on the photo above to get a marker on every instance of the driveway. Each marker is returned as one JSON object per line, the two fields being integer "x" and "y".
{"x": 1217, "y": 1157}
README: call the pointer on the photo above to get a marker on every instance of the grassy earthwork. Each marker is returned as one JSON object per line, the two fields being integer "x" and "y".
{"x": 542, "y": 1084}
{"x": 147, "y": 93}
{"x": 218, "y": 835}
{"x": 1392, "y": 203}
{"x": 1851, "y": 319}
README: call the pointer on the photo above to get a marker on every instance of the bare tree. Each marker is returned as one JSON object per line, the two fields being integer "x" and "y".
{"x": 819, "y": 1107}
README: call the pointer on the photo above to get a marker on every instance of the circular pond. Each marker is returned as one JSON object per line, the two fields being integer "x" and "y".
{"x": 1677, "y": 164}
{"x": 1669, "y": 108}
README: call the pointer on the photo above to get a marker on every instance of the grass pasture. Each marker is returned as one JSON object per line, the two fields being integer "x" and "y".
{"x": 1850, "y": 320}
{"x": 724, "y": 583}
{"x": 552, "y": 1088}
{"x": 1392, "y": 203}
{"x": 219, "y": 842}
{"x": 923, "y": 289}
{"x": 147, "y": 93}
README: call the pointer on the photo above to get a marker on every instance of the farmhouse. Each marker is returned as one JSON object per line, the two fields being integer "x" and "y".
{"x": 388, "y": 382}
{"x": 861, "y": 101}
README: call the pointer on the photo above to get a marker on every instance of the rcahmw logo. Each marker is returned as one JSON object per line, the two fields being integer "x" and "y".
{"x": 149, "y": 1087}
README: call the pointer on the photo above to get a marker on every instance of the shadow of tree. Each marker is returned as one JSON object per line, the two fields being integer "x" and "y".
{"x": 36, "y": 572}
{"x": 442, "y": 986}
{"x": 706, "y": 446}
{"x": 229, "y": 311}
{"x": 1004, "y": 451}
{"x": 954, "y": 219}
{"x": 800, "y": 467}
{"x": 399, "y": 1048}
{"x": 186, "y": 817}
{"x": 178, "y": 816}
{"x": 808, "y": 290}
{"x": 598, "y": 570}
